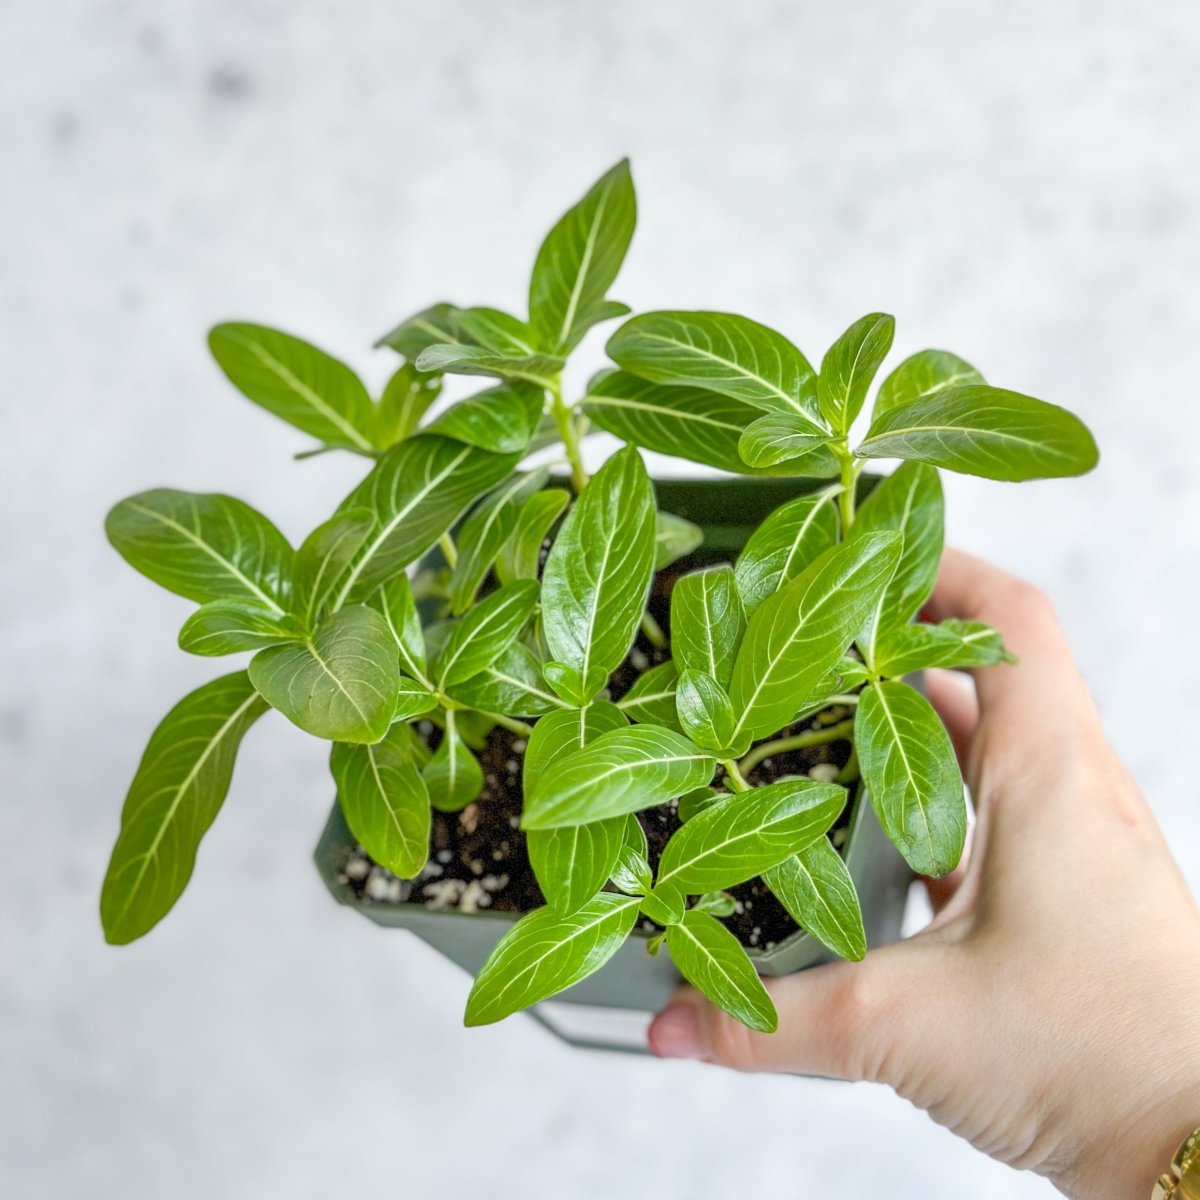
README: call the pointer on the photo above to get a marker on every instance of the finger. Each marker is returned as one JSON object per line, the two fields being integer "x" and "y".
{"x": 844, "y": 1021}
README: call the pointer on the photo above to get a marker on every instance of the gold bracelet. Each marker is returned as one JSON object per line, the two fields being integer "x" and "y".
{"x": 1183, "y": 1180}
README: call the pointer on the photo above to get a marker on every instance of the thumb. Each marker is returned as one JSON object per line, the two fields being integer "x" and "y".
{"x": 873, "y": 1020}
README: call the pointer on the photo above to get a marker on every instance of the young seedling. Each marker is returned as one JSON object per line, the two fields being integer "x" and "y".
{"x": 409, "y": 675}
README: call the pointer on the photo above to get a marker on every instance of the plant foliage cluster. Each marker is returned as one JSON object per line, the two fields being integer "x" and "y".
{"x": 357, "y": 636}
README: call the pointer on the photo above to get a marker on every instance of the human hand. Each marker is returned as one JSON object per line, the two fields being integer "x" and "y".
{"x": 1050, "y": 1012}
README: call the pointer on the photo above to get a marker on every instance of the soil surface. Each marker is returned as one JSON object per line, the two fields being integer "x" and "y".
{"x": 478, "y": 858}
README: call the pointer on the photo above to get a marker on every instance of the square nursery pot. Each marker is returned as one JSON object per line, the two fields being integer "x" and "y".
{"x": 611, "y": 1009}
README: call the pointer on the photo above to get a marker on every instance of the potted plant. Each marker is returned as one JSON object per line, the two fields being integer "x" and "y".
{"x": 572, "y": 722}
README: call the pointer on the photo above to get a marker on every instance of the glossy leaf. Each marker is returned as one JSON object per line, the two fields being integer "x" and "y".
{"x": 632, "y": 872}
{"x": 798, "y": 635}
{"x": 849, "y": 366}
{"x": 231, "y": 626}
{"x": 651, "y": 699}
{"x": 923, "y": 374}
{"x": 483, "y": 534}
{"x": 791, "y": 538}
{"x": 176, "y": 794}
{"x": 674, "y": 538}
{"x": 598, "y": 572}
{"x": 573, "y": 864}
{"x": 816, "y": 889}
{"x": 520, "y": 556}
{"x": 501, "y": 419}
{"x": 413, "y": 700}
{"x": 909, "y": 502}
{"x": 511, "y": 684}
{"x": 433, "y": 326}
{"x": 788, "y": 440}
{"x": 385, "y": 801}
{"x": 707, "y": 622}
{"x": 323, "y": 560}
{"x": 540, "y": 369}
{"x": 665, "y": 904}
{"x": 951, "y": 644}
{"x": 558, "y": 734}
{"x": 297, "y": 382}
{"x": 203, "y": 546}
{"x": 697, "y": 801}
{"x": 685, "y": 422}
{"x": 743, "y": 836}
{"x": 911, "y": 774}
{"x": 721, "y": 352}
{"x": 416, "y": 491}
{"x": 620, "y": 772}
{"x": 406, "y": 399}
{"x": 394, "y": 601}
{"x": 341, "y": 683}
{"x": 705, "y": 714}
{"x": 713, "y": 961}
{"x": 494, "y": 330}
{"x": 579, "y": 260}
{"x": 486, "y": 631}
{"x": 453, "y": 775}
{"x": 546, "y": 952}
{"x": 986, "y": 431}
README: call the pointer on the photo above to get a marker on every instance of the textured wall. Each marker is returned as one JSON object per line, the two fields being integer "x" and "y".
{"x": 1016, "y": 181}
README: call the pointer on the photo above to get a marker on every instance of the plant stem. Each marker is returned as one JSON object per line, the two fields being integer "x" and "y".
{"x": 850, "y": 772}
{"x": 561, "y": 413}
{"x": 849, "y": 478}
{"x": 449, "y": 549}
{"x": 510, "y": 723}
{"x": 798, "y": 741}
{"x": 737, "y": 780}
{"x": 653, "y": 631}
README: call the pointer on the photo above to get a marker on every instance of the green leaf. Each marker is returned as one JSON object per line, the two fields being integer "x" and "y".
{"x": 511, "y": 685}
{"x": 986, "y": 431}
{"x": 176, "y": 794}
{"x": 573, "y": 864}
{"x": 847, "y": 675}
{"x": 494, "y": 330}
{"x": 413, "y": 700}
{"x": 453, "y": 775}
{"x": 341, "y": 683}
{"x": 923, "y": 374}
{"x": 791, "y": 538}
{"x": 323, "y": 560}
{"x": 713, "y": 961}
{"x": 501, "y": 419}
{"x": 849, "y": 366}
{"x": 697, "y": 801}
{"x": 579, "y": 260}
{"x": 433, "y": 326}
{"x": 909, "y": 501}
{"x": 622, "y": 771}
{"x": 632, "y": 872}
{"x": 520, "y": 555}
{"x": 816, "y": 889}
{"x": 719, "y": 904}
{"x": 674, "y": 538}
{"x": 798, "y": 635}
{"x": 486, "y": 631}
{"x": 720, "y": 352}
{"x": 483, "y": 534}
{"x": 416, "y": 491}
{"x": 297, "y": 382}
{"x": 546, "y": 952}
{"x": 598, "y": 572}
{"x": 405, "y": 400}
{"x": 540, "y": 369}
{"x": 385, "y": 801}
{"x": 791, "y": 440}
{"x": 707, "y": 622}
{"x": 912, "y": 776}
{"x": 558, "y": 734}
{"x": 743, "y": 836}
{"x": 394, "y": 601}
{"x": 230, "y": 626}
{"x": 651, "y": 699}
{"x": 705, "y": 714}
{"x": 691, "y": 423}
{"x": 951, "y": 644}
{"x": 664, "y": 904}
{"x": 203, "y": 546}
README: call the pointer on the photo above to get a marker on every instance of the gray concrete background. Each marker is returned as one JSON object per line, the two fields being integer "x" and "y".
{"x": 1015, "y": 181}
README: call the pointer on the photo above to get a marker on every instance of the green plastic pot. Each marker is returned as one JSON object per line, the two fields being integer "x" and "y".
{"x": 611, "y": 1009}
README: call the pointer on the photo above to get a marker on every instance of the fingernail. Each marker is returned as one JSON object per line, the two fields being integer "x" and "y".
{"x": 674, "y": 1033}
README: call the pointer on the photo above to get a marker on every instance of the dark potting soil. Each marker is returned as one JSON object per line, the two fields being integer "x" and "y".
{"x": 478, "y": 858}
